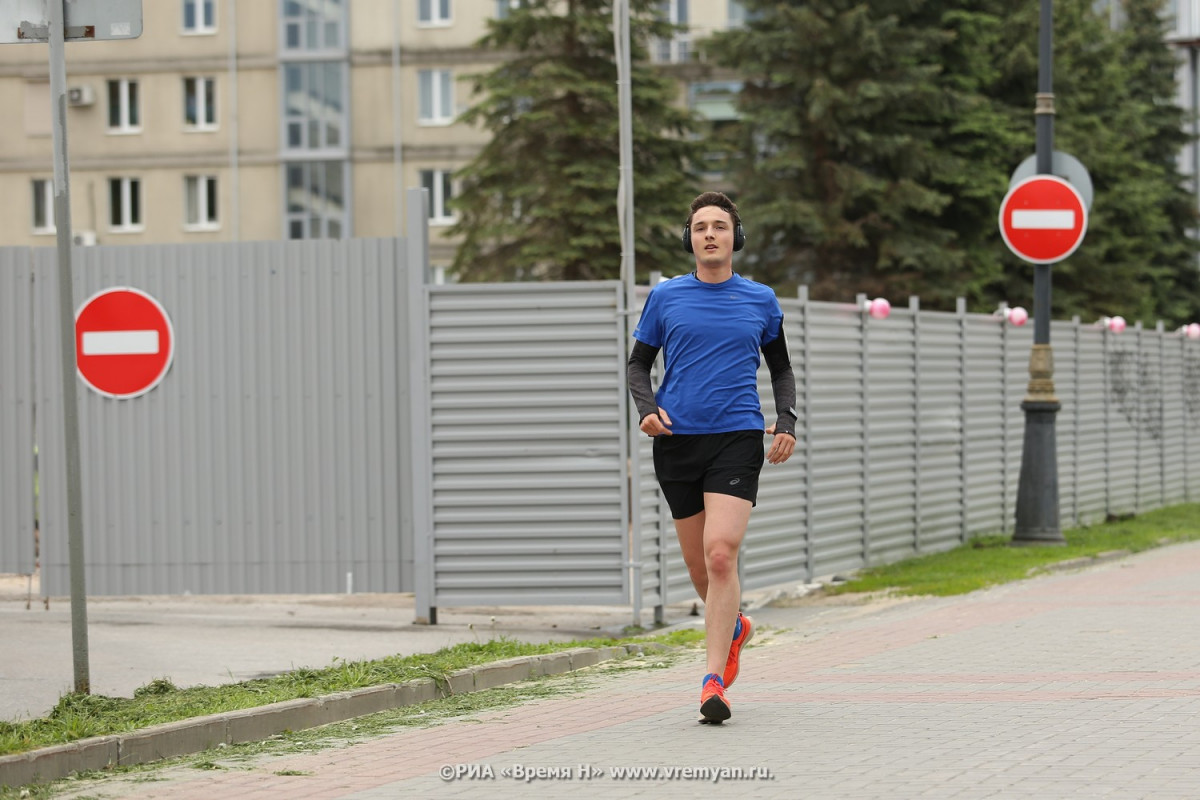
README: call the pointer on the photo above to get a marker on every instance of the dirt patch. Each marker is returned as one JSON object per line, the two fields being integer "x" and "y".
{"x": 821, "y": 598}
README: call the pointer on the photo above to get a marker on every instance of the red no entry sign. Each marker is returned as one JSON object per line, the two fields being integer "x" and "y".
{"x": 123, "y": 342}
{"x": 1043, "y": 219}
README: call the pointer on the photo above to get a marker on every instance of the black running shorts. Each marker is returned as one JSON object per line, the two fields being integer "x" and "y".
{"x": 688, "y": 465}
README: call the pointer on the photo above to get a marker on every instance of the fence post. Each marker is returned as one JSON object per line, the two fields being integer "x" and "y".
{"x": 914, "y": 305}
{"x": 417, "y": 263}
{"x": 1183, "y": 410}
{"x": 809, "y": 500}
{"x": 1004, "y": 515}
{"x": 1137, "y": 423}
{"x": 1162, "y": 416}
{"x": 1078, "y": 396}
{"x": 1107, "y": 392}
{"x": 960, "y": 308}
{"x": 864, "y": 376}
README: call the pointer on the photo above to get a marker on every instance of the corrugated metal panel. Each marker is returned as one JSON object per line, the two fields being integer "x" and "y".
{"x": 1089, "y": 432}
{"x": 1150, "y": 424}
{"x": 658, "y": 534}
{"x": 895, "y": 439}
{"x": 1018, "y": 343}
{"x": 528, "y": 450}
{"x": 1174, "y": 424}
{"x": 988, "y": 443}
{"x": 1191, "y": 410}
{"x": 1063, "y": 336}
{"x": 266, "y": 461}
{"x": 1122, "y": 362}
{"x": 776, "y": 546}
{"x": 837, "y": 410}
{"x": 941, "y": 484}
{"x": 17, "y": 463}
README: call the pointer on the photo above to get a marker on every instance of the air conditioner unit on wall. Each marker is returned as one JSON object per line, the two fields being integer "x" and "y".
{"x": 84, "y": 238}
{"x": 80, "y": 96}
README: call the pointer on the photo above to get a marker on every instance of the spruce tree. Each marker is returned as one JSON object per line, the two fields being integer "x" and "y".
{"x": 540, "y": 200}
{"x": 989, "y": 74}
{"x": 1116, "y": 112}
{"x": 837, "y": 156}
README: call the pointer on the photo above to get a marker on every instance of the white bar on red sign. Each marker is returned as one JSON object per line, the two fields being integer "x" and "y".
{"x": 120, "y": 343}
{"x": 1044, "y": 219}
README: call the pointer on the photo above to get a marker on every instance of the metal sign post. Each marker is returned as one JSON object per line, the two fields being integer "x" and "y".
{"x": 48, "y": 21}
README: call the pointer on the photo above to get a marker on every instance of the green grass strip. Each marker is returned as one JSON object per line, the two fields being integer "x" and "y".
{"x": 79, "y": 716}
{"x": 991, "y": 560}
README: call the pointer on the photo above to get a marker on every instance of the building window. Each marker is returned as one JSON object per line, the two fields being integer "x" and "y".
{"x": 124, "y": 115}
{"x": 200, "y": 202}
{"x": 433, "y": 12}
{"x": 200, "y": 104}
{"x": 506, "y": 7}
{"x": 43, "y": 206}
{"x": 314, "y": 111}
{"x": 125, "y": 204}
{"x": 677, "y": 49}
{"x": 441, "y": 189}
{"x": 316, "y": 207}
{"x": 314, "y": 25}
{"x": 737, "y": 14}
{"x": 436, "y": 97}
{"x": 199, "y": 16}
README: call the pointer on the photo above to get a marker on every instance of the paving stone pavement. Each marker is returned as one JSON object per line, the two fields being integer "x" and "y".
{"x": 1080, "y": 684}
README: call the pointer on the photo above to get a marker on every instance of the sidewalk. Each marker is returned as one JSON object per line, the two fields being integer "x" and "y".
{"x": 1081, "y": 684}
{"x": 212, "y": 640}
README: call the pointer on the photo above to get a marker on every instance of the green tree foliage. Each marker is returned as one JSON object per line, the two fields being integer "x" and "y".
{"x": 835, "y": 160}
{"x": 989, "y": 72}
{"x": 879, "y": 137}
{"x": 540, "y": 200}
{"x": 1143, "y": 207}
{"x": 1115, "y": 96}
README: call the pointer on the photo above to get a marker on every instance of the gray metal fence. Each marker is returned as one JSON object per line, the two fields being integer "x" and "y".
{"x": 267, "y": 461}
{"x": 17, "y": 491}
{"x": 526, "y": 445}
{"x": 332, "y": 422}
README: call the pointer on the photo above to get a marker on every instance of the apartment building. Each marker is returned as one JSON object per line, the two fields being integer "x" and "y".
{"x": 265, "y": 119}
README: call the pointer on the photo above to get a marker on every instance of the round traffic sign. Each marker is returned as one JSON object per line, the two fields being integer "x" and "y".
{"x": 1043, "y": 219}
{"x": 124, "y": 342}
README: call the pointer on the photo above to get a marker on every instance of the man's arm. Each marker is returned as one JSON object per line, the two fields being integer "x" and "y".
{"x": 637, "y": 373}
{"x": 783, "y": 384}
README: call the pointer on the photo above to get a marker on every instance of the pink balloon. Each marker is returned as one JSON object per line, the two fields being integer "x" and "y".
{"x": 1116, "y": 324}
{"x": 879, "y": 308}
{"x": 1018, "y": 316}
{"x": 1192, "y": 330}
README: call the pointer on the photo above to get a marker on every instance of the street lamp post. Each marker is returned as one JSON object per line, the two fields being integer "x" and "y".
{"x": 1037, "y": 492}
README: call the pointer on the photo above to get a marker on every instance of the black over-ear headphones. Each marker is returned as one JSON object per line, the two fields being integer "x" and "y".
{"x": 739, "y": 238}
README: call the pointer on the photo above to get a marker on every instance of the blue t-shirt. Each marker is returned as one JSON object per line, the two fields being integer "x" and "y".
{"x": 710, "y": 335}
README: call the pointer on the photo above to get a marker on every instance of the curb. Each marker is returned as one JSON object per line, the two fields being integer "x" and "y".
{"x": 1081, "y": 562}
{"x": 255, "y": 724}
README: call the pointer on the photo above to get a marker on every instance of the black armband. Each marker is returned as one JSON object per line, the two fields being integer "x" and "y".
{"x": 637, "y": 373}
{"x": 783, "y": 383}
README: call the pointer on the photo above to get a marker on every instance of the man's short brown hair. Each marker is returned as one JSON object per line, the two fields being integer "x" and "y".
{"x": 718, "y": 199}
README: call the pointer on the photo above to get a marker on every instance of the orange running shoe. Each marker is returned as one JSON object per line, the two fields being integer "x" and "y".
{"x": 714, "y": 706}
{"x": 732, "y": 664}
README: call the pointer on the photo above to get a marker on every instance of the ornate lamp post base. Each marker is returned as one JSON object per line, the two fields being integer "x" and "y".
{"x": 1037, "y": 491}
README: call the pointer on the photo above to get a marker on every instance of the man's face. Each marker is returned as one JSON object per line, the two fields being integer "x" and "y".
{"x": 712, "y": 236}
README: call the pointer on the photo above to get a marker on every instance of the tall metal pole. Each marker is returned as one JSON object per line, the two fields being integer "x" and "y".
{"x": 1037, "y": 491}
{"x": 622, "y": 46}
{"x": 66, "y": 318}
{"x": 625, "y": 124}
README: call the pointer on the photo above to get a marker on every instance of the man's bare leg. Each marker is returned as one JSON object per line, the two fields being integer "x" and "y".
{"x": 726, "y": 519}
